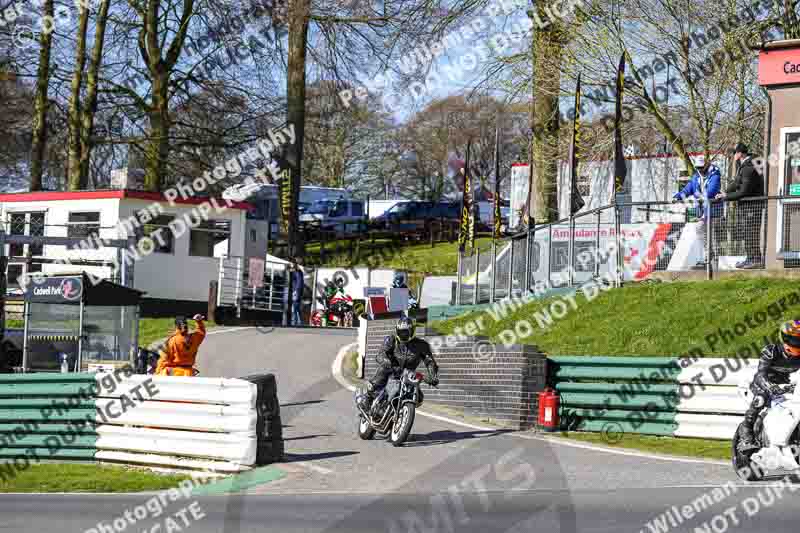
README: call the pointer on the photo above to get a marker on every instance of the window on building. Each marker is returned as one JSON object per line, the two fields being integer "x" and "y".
{"x": 83, "y": 226}
{"x": 210, "y": 236}
{"x": 158, "y": 229}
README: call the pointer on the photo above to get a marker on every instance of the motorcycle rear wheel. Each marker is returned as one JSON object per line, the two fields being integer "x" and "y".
{"x": 402, "y": 426}
{"x": 746, "y": 469}
{"x": 365, "y": 431}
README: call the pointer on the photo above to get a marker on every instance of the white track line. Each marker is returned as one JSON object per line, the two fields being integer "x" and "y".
{"x": 336, "y": 368}
{"x": 227, "y": 330}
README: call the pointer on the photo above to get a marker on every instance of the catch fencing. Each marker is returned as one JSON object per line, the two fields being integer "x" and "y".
{"x": 630, "y": 242}
{"x": 667, "y": 396}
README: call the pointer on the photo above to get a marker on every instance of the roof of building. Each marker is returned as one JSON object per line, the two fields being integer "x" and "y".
{"x": 49, "y": 196}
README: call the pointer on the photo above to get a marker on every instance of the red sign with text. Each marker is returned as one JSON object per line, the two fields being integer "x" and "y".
{"x": 779, "y": 67}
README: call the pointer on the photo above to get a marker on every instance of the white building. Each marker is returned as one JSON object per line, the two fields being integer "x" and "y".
{"x": 179, "y": 269}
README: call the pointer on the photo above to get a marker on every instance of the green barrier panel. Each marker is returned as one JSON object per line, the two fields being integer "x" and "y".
{"x": 12, "y": 415}
{"x": 75, "y": 402}
{"x": 44, "y": 377}
{"x": 47, "y": 401}
{"x": 622, "y": 389}
{"x": 567, "y": 413}
{"x": 607, "y": 360}
{"x": 615, "y": 428}
{"x": 13, "y": 390}
{"x": 654, "y": 402}
{"x": 43, "y": 429}
{"x": 64, "y": 440}
{"x": 45, "y": 453}
{"x": 615, "y": 372}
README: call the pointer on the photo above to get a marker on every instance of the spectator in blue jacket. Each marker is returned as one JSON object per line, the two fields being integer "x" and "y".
{"x": 711, "y": 185}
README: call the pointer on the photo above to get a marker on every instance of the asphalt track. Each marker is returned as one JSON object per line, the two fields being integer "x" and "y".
{"x": 448, "y": 478}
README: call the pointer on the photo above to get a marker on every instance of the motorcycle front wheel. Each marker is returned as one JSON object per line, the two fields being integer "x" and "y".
{"x": 365, "y": 431}
{"x": 746, "y": 469}
{"x": 402, "y": 425}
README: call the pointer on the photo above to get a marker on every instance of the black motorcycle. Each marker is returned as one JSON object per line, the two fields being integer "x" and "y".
{"x": 393, "y": 409}
{"x": 146, "y": 361}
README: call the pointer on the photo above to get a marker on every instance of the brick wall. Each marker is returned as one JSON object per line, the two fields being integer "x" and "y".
{"x": 503, "y": 388}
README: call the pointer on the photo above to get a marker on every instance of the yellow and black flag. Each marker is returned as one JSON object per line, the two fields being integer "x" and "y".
{"x": 466, "y": 235}
{"x": 575, "y": 199}
{"x": 285, "y": 196}
{"x": 620, "y": 168}
{"x": 496, "y": 217}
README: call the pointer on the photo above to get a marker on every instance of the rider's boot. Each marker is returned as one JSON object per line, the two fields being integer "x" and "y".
{"x": 366, "y": 399}
{"x": 747, "y": 440}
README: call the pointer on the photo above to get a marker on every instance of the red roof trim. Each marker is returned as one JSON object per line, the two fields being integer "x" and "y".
{"x": 49, "y": 196}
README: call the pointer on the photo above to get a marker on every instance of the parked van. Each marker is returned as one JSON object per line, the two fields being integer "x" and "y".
{"x": 337, "y": 214}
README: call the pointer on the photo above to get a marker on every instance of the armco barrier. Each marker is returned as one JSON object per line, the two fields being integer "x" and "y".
{"x": 651, "y": 395}
{"x": 29, "y": 423}
{"x": 501, "y": 385}
{"x": 223, "y": 425}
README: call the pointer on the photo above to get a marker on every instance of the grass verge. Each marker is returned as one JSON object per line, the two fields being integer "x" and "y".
{"x": 69, "y": 477}
{"x": 153, "y": 329}
{"x": 351, "y": 364}
{"x": 667, "y": 319}
{"x": 679, "y": 446}
{"x": 419, "y": 260}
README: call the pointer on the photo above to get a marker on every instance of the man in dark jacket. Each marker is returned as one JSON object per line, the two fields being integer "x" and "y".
{"x": 748, "y": 183}
{"x": 297, "y": 286}
{"x": 776, "y": 363}
{"x": 401, "y": 351}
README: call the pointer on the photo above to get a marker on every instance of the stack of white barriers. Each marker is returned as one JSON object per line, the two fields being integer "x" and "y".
{"x": 191, "y": 423}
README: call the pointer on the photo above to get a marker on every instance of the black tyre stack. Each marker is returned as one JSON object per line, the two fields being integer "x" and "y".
{"x": 269, "y": 429}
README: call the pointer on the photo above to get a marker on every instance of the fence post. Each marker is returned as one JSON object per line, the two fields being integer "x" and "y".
{"x": 477, "y": 277}
{"x": 709, "y": 244}
{"x": 510, "y": 270}
{"x": 494, "y": 272}
{"x": 618, "y": 239}
{"x": 765, "y": 220}
{"x": 597, "y": 249}
{"x": 458, "y": 278}
{"x": 528, "y": 251}
{"x": 571, "y": 269}
{"x": 549, "y": 254}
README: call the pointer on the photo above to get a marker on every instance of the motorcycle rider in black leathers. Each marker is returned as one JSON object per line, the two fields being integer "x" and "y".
{"x": 776, "y": 363}
{"x": 401, "y": 351}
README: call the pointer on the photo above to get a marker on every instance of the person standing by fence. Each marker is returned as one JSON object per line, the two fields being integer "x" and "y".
{"x": 747, "y": 184}
{"x": 297, "y": 287}
{"x": 711, "y": 176}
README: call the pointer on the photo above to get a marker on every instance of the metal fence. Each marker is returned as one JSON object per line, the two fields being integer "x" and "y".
{"x": 236, "y": 289}
{"x": 629, "y": 242}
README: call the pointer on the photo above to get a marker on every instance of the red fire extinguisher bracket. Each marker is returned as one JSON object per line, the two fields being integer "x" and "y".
{"x": 548, "y": 410}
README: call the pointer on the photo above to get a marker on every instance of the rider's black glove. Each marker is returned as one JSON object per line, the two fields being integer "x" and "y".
{"x": 777, "y": 390}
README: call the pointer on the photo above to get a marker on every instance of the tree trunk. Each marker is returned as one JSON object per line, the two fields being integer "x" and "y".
{"x": 299, "y": 12}
{"x": 90, "y": 108}
{"x": 548, "y": 45}
{"x": 40, "y": 103}
{"x": 74, "y": 121}
{"x": 157, "y": 149}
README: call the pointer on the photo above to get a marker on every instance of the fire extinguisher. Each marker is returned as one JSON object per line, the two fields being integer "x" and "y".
{"x": 548, "y": 410}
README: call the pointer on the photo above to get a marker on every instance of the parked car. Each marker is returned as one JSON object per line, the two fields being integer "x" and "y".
{"x": 416, "y": 214}
{"x": 339, "y": 214}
